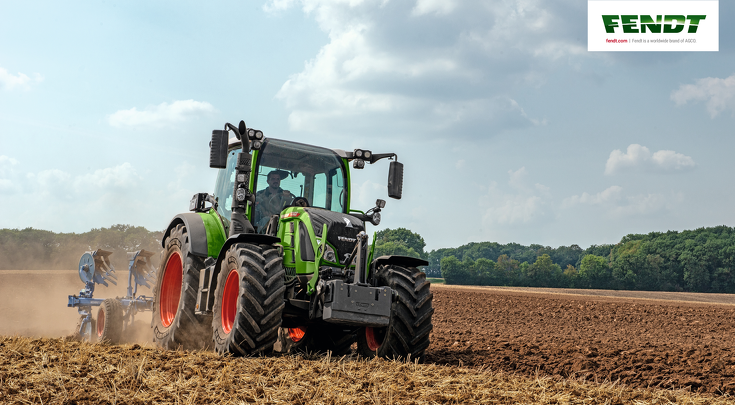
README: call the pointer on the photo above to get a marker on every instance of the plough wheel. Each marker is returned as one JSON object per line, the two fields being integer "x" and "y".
{"x": 410, "y": 318}
{"x": 248, "y": 300}
{"x": 174, "y": 323}
{"x": 110, "y": 322}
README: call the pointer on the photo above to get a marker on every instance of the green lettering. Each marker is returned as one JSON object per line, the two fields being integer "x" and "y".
{"x": 610, "y": 24}
{"x": 670, "y": 28}
{"x": 694, "y": 22}
{"x": 647, "y": 22}
{"x": 630, "y": 23}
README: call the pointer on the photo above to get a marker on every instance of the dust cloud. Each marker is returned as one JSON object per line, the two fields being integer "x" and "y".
{"x": 33, "y": 303}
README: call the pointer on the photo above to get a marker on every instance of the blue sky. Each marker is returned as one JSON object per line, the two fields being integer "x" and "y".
{"x": 510, "y": 131}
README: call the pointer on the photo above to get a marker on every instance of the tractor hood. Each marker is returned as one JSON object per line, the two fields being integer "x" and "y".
{"x": 342, "y": 229}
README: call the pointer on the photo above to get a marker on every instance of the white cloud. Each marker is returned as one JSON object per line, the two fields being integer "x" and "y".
{"x": 7, "y": 173}
{"x": 639, "y": 157}
{"x": 161, "y": 115}
{"x": 610, "y": 194}
{"x": 718, "y": 93}
{"x": 119, "y": 177}
{"x": 527, "y": 204}
{"x": 428, "y": 65}
{"x": 433, "y": 6}
{"x": 612, "y": 202}
{"x": 21, "y": 80}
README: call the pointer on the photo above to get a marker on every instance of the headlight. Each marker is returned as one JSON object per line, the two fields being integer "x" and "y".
{"x": 329, "y": 254}
{"x": 241, "y": 178}
{"x": 375, "y": 218}
{"x": 358, "y": 153}
{"x": 367, "y": 154}
{"x": 240, "y": 194}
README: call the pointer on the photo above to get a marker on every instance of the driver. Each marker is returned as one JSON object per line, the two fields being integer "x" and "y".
{"x": 272, "y": 199}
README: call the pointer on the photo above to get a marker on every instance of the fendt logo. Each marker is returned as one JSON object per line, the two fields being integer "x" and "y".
{"x": 667, "y": 25}
{"x": 635, "y": 24}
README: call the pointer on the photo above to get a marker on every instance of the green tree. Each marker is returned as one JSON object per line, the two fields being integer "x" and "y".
{"x": 543, "y": 272}
{"x": 401, "y": 236}
{"x": 455, "y": 272}
{"x": 594, "y": 272}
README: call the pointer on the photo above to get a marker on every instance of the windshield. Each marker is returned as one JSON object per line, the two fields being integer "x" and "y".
{"x": 296, "y": 170}
{"x": 225, "y": 185}
{"x": 289, "y": 173}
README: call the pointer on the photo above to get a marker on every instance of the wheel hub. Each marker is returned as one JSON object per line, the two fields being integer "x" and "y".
{"x": 229, "y": 300}
{"x": 100, "y": 322}
{"x": 171, "y": 288}
{"x": 374, "y": 337}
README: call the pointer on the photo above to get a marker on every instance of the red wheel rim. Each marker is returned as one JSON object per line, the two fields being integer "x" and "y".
{"x": 374, "y": 338}
{"x": 100, "y": 322}
{"x": 229, "y": 300}
{"x": 296, "y": 334}
{"x": 173, "y": 274}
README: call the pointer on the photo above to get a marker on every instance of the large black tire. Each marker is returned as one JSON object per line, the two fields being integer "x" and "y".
{"x": 317, "y": 338}
{"x": 407, "y": 334}
{"x": 174, "y": 322}
{"x": 249, "y": 300}
{"x": 110, "y": 321}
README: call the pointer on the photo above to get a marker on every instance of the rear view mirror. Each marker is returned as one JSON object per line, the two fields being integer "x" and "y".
{"x": 218, "y": 149}
{"x": 395, "y": 180}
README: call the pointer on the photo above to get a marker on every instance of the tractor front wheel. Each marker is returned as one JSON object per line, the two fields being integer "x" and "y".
{"x": 407, "y": 334}
{"x": 248, "y": 300}
{"x": 110, "y": 321}
{"x": 174, "y": 322}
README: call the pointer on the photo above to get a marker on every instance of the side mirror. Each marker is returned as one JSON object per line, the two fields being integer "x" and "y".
{"x": 242, "y": 129}
{"x": 218, "y": 149}
{"x": 395, "y": 180}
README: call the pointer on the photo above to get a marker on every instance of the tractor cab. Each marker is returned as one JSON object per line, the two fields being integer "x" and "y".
{"x": 286, "y": 174}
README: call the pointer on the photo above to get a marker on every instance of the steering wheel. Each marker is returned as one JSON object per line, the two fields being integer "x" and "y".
{"x": 299, "y": 202}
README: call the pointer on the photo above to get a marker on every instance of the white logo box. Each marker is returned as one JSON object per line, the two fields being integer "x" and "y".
{"x": 706, "y": 38}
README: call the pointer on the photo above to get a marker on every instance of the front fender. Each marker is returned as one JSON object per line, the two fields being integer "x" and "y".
{"x": 403, "y": 261}
{"x": 197, "y": 232}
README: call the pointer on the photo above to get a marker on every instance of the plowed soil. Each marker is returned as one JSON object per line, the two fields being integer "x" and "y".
{"x": 640, "y": 342}
{"x": 664, "y": 340}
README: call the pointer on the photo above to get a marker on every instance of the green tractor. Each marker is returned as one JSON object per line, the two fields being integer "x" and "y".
{"x": 277, "y": 259}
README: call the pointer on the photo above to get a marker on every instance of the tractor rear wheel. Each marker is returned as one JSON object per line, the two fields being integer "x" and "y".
{"x": 407, "y": 334}
{"x": 110, "y": 321}
{"x": 174, "y": 322}
{"x": 248, "y": 301}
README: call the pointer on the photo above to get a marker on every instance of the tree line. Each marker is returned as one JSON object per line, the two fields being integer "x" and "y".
{"x": 701, "y": 260}
{"x": 35, "y": 249}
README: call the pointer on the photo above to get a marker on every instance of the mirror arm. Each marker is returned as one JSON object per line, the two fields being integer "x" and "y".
{"x": 377, "y": 156}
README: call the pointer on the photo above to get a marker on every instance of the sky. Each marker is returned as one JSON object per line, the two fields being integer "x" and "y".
{"x": 508, "y": 128}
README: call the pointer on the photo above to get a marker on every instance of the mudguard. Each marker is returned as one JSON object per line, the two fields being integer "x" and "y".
{"x": 197, "y": 232}
{"x": 403, "y": 261}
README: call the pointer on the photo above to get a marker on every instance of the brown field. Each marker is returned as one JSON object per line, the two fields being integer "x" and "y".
{"x": 489, "y": 345}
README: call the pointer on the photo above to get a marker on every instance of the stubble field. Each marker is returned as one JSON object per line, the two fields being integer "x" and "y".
{"x": 489, "y": 345}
